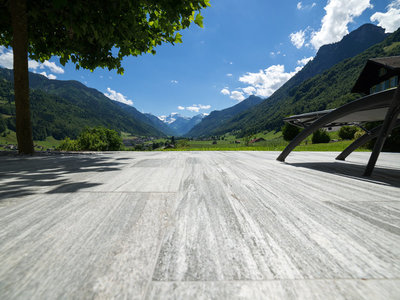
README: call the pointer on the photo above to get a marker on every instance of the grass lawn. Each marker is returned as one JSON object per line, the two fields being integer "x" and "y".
{"x": 273, "y": 142}
{"x": 271, "y": 145}
{"x": 11, "y": 139}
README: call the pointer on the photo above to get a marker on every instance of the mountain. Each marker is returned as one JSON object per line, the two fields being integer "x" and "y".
{"x": 63, "y": 108}
{"x": 181, "y": 125}
{"x": 329, "y": 55}
{"x": 148, "y": 119}
{"x": 217, "y": 117}
{"x": 172, "y": 118}
{"x": 160, "y": 125}
{"x": 329, "y": 88}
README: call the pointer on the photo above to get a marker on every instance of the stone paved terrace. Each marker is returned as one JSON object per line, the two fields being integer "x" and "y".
{"x": 199, "y": 225}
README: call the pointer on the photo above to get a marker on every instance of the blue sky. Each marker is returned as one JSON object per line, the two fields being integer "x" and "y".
{"x": 246, "y": 47}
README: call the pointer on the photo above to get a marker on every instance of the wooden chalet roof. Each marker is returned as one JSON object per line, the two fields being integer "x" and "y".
{"x": 370, "y": 75}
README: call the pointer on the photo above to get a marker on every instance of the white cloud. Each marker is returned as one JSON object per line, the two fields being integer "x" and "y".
{"x": 174, "y": 81}
{"x": 229, "y": 75}
{"x": 52, "y": 66}
{"x": 33, "y": 64}
{"x": 266, "y": 82}
{"x": 181, "y": 107}
{"x": 193, "y": 108}
{"x": 339, "y": 13}
{"x": 6, "y": 58}
{"x": 250, "y": 90}
{"x": 115, "y": 96}
{"x": 49, "y": 76}
{"x": 298, "y": 38}
{"x": 197, "y": 107}
{"x": 301, "y": 6}
{"x": 272, "y": 53}
{"x": 237, "y": 96}
{"x": 225, "y": 91}
{"x": 162, "y": 118}
{"x": 6, "y": 61}
{"x": 390, "y": 20}
{"x": 304, "y": 61}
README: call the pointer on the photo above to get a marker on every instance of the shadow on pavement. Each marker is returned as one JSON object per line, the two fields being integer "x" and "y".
{"x": 381, "y": 175}
{"x": 23, "y": 175}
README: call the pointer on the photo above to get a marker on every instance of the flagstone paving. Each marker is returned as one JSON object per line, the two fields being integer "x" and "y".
{"x": 204, "y": 225}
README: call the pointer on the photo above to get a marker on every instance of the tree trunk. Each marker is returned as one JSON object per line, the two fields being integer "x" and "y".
{"x": 19, "y": 22}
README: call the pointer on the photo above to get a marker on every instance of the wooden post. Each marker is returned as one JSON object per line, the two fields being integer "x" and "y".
{"x": 19, "y": 24}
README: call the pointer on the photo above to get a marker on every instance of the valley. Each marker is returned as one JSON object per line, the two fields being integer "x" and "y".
{"x": 63, "y": 109}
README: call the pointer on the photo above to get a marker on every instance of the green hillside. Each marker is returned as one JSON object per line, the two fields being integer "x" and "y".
{"x": 206, "y": 126}
{"x": 64, "y": 108}
{"x": 327, "y": 90}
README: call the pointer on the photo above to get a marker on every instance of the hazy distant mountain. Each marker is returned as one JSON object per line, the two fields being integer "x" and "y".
{"x": 181, "y": 124}
{"x": 160, "y": 125}
{"x": 172, "y": 118}
{"x": 217, "y": 117}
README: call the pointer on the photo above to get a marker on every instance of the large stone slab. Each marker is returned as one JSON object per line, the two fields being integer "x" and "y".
{"x": 277, "y": 289}
{"x": 237, "y": 221}
{"x": 81, "y": 245}
{"x": 201, "y": 225}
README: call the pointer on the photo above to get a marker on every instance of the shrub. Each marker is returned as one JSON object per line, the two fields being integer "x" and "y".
{"x": 139, "y": 147}
{"x": 347, "y": 132}
{"x": 39, "y": 133}
{"x": 320, "y": 136}
{"x": 183, "y": 144}
{"x": 247, "y": 139}
{"x": 358, "y": 134}
{"x": 392, "y": 143}
{"x": 94, "y": 139}
{"x": 290, "y": 131}
{"x": 155, "y": 145}
{"x": 3, "y": 125}
{"x": 68, "y": 145}
{"x": 99, "y": 139}
{"x": 11, "y": 124}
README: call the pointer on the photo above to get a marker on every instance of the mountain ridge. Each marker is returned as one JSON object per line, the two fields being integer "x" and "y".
{"x": 62, "y": 108}
{"x": 218, "y": 116}
{"x": 325, "y": 59}
{"x": 181, "y": 125}
{"x": 329, "y": 89}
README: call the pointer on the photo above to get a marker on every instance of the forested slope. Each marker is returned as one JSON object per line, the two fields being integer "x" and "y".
{"x": 327, "y": 90}
{"x": 64, "y": 108}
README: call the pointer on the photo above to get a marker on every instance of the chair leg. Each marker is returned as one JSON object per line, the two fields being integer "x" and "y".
{"x": 365, "y": 103}
{"x": 362, "y": 141}
{"x": 388, "y": 124}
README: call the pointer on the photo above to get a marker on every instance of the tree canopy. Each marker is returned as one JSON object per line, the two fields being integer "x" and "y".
{"x": 100, "y": 33}
{"x": 90, "y": 34}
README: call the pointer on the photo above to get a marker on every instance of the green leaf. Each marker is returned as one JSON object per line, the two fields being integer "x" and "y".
{"x": 199, "y": 20}
{"x": 178, "y": 38}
